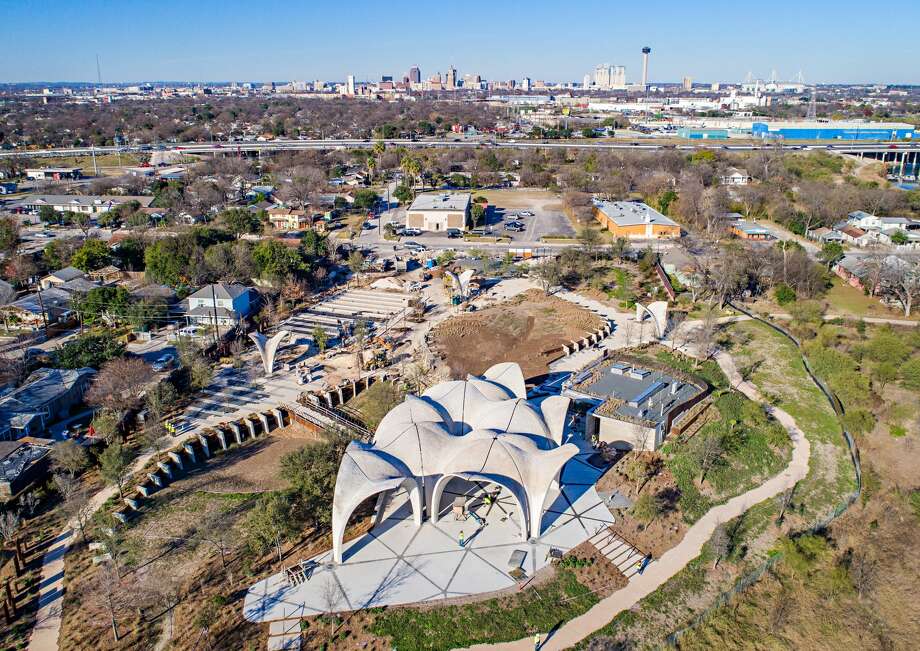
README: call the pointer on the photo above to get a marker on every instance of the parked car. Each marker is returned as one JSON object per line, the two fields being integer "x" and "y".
{"x": 164, "y": 362}
{"x": 412, "y": 232}
{"x": 515, "y": 226}
{"x": 415, "y": 246}
{"x": 525, "y": 213}
{"x": 454, "y": 233}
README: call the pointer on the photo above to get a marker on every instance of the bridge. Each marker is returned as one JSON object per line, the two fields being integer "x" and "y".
{"x": 884, "y": 151}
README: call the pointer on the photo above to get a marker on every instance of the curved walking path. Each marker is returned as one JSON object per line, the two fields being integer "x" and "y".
{"x": 676, "y": 558}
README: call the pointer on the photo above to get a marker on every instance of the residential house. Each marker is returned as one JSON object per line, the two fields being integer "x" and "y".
{"x": 108, "y": 275}
{"x": 289, "y": 219}
{"x": 851, "y": 270}
{"x": 33, "y": 310}
{"x": 21, "y": 463}
{"x": 856, "y": 236}
{"x": 46, "y": 396}
{"x": 747, "y": 230}
{"x": 60, "y": 277}
{"x": 733, "y": 176}
{"x": 265, "y": 191}
{"x": 825, "y": 235}
{"x": 634, "y": 220}
{"x": 227, "y": 302}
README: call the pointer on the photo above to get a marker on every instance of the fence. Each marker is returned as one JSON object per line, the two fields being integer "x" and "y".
{"x": 754, "y": 575}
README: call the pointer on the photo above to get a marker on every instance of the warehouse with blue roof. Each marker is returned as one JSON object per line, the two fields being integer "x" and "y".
{"x": 840, "y": 130}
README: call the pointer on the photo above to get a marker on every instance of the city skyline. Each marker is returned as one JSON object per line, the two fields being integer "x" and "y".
{"x": 497, "y": 42}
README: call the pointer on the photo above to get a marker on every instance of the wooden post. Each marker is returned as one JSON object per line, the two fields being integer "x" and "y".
{"x": 9, "y": 598}
{"x": 19, "y": 553}
{"x": 16, "y": 565}
{"x": 6, "y": 613}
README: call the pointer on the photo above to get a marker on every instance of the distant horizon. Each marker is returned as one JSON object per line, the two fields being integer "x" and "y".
{"x": 236, "y": 40}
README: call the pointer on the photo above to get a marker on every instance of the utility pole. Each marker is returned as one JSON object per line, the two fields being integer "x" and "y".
{"x": 95, "y": 167}
{"x": 214, "y": 312}
{"x": 42, "y": 305}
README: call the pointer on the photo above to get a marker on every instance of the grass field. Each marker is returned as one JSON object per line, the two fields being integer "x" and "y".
{"x": 845, "y": 300}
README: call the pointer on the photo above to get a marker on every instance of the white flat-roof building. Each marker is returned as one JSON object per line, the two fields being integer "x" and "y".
{"x": 439, "y": 211}
{"x": 88, "y": 204}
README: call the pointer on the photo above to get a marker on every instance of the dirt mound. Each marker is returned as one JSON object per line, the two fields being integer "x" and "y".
{"x": 529, "y": 329}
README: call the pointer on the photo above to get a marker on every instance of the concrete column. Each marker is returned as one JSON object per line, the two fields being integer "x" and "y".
{"x": 176, "y": 459}
{"x": 204, "y": 445}
{"x": 279, "y": 416}
{"x": 144, "y": 489}
{"x": 155, "y": 479}
{"x": 121, "y": 516}
{"x": 166, "y": 468}
{"x": 341, "y": 395}
{"x": 328, "y": 397}
{"x": 235, "y": 428}
{"x": 190, "y": 451}
{"x": 132, "y": 503}
{"x": 222, "y": 437}
{"x": 251, "y": 426}
{"x": 264, "y": 418}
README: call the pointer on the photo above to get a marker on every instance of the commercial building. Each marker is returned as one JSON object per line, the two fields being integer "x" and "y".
{"x": 86, "y": 204}
{"x": 693, "y": 133}
{"x": 229, "y": 303}
{"x": 813, "y": 130}
{"x": 633, "y": 403}
{"x": 635, "y": 221}
{"x": 439, "y": 211}
{"x": 54, "y": 173}
{"x": 45, "y": 397}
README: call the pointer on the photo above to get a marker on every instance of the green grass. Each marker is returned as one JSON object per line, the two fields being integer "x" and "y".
{"x": 844, "y": 300}
{"x": 374, "y": 403}
{"x": 757, "y": 448}
{"x": 497, "y": 620}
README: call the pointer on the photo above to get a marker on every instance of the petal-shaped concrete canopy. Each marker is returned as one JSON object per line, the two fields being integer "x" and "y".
{"x": 478, "y": 429}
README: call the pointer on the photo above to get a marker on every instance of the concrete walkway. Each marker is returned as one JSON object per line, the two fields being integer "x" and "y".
{"x": 675, "y": 559}
{"x": 48, "y": 619}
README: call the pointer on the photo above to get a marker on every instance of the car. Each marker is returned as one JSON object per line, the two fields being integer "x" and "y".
{"x": 164, "y": 362}
{"x": 525, "y": 213}
{"x": 454, "y": 233}
{"x": 478, "y": 231}
{"x": 44, "y": 234}
{"x": 516, "y": 227}
{"x": 415, "y": 246}
{"x": 412, "y": 232}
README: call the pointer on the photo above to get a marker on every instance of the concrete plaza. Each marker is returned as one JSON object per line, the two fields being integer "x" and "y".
{"x": 399, "y": 563}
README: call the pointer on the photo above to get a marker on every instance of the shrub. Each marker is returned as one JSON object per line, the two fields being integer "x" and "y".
{"x": 784, "y": 294}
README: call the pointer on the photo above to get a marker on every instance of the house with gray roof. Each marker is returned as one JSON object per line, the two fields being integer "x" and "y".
{"x": 45, "y": 397}
{"x": 230, "y": 303}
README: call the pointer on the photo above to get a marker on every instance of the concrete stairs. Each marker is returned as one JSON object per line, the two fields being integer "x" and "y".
{"x": 617, "y": 551}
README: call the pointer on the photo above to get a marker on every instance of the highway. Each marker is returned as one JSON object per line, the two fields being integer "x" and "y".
{"x": 354, "y": 143}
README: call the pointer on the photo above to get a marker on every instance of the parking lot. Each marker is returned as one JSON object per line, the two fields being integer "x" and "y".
{"x": 504, "y": 206}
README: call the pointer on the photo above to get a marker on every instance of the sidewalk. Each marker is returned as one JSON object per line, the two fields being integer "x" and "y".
{"x": 675, "y": 559}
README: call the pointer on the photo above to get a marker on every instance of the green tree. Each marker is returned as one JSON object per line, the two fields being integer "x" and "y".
{"x": 9, "y": 235}
{"x": 105, "y": 423}
{"x": 241, "y": 221}
{"x": 365, "y": 200}
{"x": 477, "y": 214}
{"x": 647, "y": 507}
{"x": 103, "y": 303}
{"x": 270, "y": 523}
{"x": 784, "y": 294}
{"x": 311, "y": 473}
{"x": 403, "y": 193}
{"x": 274, "y": 261}
{"x": 320, "y": 338}
{"x": 899, "y": 237}
{"x": 114, "y": 463}
{"x": 910, "y": 374}
{"x": 90, "y": 349}
{"x": 48, "y": 215}
{"x": 94, "y": 254}
{"x": 859, "y": 421}
{"x": 356, "y": 262}
{"x": 314, "y": 245}
{"x": 831, "y": 253}
{"x": 588, "y": 132}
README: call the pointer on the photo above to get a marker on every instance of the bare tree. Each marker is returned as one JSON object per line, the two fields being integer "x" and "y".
{"x": 119, "y": 384}
{"x": 70, "y": 456}
{"x": 548, "y": 274}
{"x": 720, "y": 544}
{"x": 709, "y": 454}
{"x": 9, "y": 525}
{"x": 77, "y": 507}
{"x": 864, "y": 572}
{"x": 108, "y": 589}
{"x": 901, "y": 279}
{"x": 331, "y": 596}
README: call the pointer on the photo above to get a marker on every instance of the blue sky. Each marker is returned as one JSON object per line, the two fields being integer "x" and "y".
{"x": 709, "y": 40}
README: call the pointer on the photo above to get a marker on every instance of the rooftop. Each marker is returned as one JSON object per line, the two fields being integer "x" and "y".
{"x": 635, "y": 392}
{"x": 41, "y": 388}
{"x": 222, "y": 291}
{"x": 631, "y": 213}
{"x": 83, "y": 200}
{"x": 442, "y": 201}
{"x": 17, "y": 456}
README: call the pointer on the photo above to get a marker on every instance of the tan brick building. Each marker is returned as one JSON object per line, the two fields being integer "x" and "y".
{"x": 635, "y": 221}
{"x": 438, "y": 211}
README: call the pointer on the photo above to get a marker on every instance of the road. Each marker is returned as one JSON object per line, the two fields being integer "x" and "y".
{"x": 355, "y": 143}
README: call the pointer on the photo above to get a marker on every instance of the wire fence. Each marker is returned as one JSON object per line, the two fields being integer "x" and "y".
{"x": 752, "y": 577}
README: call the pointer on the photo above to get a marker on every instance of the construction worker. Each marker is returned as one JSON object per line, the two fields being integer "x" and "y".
{"x": 462, "y": 539}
